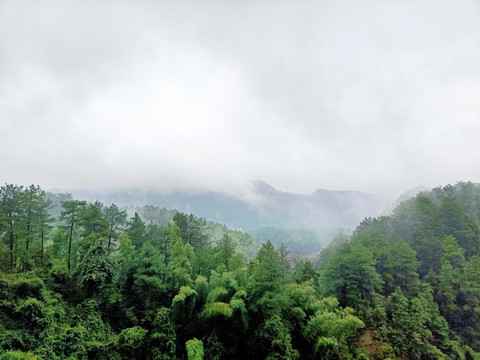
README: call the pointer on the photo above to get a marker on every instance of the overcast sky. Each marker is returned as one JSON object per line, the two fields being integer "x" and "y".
{"x": 377, "y": 96}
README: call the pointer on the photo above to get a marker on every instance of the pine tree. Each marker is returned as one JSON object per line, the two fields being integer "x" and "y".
{"x": 116, "y": 219}
{"x": 136, "y": 230}
{"x": 71, "y": 215}
{"x": 11, "y": 208}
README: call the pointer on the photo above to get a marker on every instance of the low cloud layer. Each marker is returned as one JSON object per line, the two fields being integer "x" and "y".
{"x": 372, "y": 96}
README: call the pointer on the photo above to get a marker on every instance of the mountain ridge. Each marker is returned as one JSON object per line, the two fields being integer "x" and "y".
{"x": 268, "y": 207}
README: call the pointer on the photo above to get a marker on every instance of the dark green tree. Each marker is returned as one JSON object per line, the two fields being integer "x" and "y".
{"x": 44, "y": 221}
{"x": 227, "y": 248}
{"x": 163, "y": 336}
{"x": 283, "y": 255}
{"x": 332, "y": 330}
{"x": 136, "y": 229}
{"x": 71, "y": 215}
{"x": 401, "y": 268}
{"x": 31, "y": 198}
{"x": 182, "y": 257}
{"x": 11, "y": 208}
{"x": 152, "y": 283}
{"x": 267, "y": 272}
{"x": 192, "y": 230}
{"x": 116, "y": 219}
{"x": 351, "y": 276}
{"x": 96, "y": 273}
{"x": 93, "y": 220}
{"x": 274, "y": 341}
{"x": 463, "y": 226}
{"x": 158, "y": 236}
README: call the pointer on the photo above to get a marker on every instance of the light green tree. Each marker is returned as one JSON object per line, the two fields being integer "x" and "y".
{"x": 194, "y": 349}
{"x": 182, "y": 257}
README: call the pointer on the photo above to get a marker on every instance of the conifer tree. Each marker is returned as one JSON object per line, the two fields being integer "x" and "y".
{"x": 116, "y": 219}
{"x": 71, "y": 215}
{"x": 11, "y": 208}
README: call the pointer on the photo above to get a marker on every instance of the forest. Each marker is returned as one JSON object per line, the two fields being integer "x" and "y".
{"x": 82, "y": 280}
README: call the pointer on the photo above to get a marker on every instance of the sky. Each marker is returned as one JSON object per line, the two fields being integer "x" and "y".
{"x": 374, "y": 96}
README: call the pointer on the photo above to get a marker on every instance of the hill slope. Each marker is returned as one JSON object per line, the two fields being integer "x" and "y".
{"x": 322, "y": 209}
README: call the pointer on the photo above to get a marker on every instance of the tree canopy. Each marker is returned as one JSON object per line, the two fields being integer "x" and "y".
{"x": 83, "y": 282}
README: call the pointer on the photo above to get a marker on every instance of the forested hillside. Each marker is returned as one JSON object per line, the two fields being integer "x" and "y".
{"x": 96, "y": 282}
{"x": 305, "y": 221}
{"x": 264, "y": 206}
{"x": 414, "y": 277}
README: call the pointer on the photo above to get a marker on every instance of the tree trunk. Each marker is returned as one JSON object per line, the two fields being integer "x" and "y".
{"x": 27, "y": 240}
{"x": 110, "y": 235}
{"x": 41, "y": 251}
{"x": 70, "y": 245}
{"x": 10, "y": 224}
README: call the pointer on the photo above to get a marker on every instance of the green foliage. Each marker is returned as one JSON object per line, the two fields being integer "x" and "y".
{"x": 116, "y": 219}
{"x": 452, "y": 253}
{"x": 240, "y": 294}
{"x": 136, "y": 230}
{"x": 182, "y": 257}
{"x": 236, "y": 261}
{"x": 207, "y": 259}
{"x": 303, "y": 271}
{"x": 97, "y": 289}
{"x": 14, "y": 287}
{"x": 411, "y": 323}
{"x": 194, "y": 349}
{"x": 19, "y": 355}
{"x": 240, "y": 313}
{"x": 227, "y": 249}
{"x": 400, "y": 268}
{"x": 131, "y": 343}
{"x": 202, "y": 288}
{"x": 351, "y": 276}
{"x": 33, "y": 314}
{"x": 218, "y": 308}
{"x": 267, "y": 272}
{"x": 158, "y": 237}
{"x": 60, "y": 243}
{"x": 96, "y": 272}
{"x": 333, "y": 331}
{"x": 126, "y": 249}
{"x": 226, "y": 280}
{"x": 274, "y": 340}
{"x": 93, "y": 221}
{"x": 71, "y": 213}
{"x": 183, "y": 304}
{"x": 163, "y": 336}
{"x": 214, "y": 349}
{"x": 149, "y": 280}
{"x": 216, "y": 294}
{"x": 299, "y": 241}
{"x": 442, "y": 227}
{"x": 12, "y": 212}
{"x": 192, "y": 230}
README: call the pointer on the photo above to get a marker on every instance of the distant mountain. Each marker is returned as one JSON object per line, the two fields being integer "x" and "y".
{"x": 323, "y": 209}
{"x": 320, "y": 210}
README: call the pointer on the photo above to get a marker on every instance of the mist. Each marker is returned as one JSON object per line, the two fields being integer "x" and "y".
{"x": 372, "y": 96}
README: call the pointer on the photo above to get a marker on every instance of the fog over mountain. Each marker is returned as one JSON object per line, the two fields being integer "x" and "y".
{"x": 267, "y": 206}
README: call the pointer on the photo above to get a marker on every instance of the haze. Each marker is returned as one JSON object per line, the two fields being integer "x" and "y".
{"x": 375, "y": 96}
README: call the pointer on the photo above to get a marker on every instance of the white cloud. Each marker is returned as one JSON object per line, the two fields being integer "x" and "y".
{"x": 372, "y": 96}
